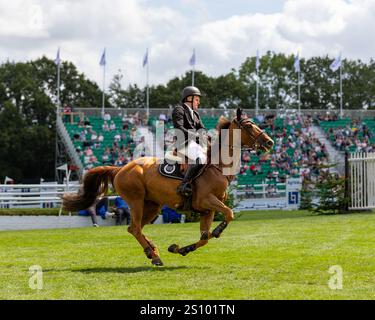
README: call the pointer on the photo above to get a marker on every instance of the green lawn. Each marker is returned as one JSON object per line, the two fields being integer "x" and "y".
{"x": 262, "y": 255}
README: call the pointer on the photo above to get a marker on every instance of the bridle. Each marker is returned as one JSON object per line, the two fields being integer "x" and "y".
{"x": 255, "y": 142}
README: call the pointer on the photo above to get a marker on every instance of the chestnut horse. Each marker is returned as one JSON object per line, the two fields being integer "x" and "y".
{"x": 146, "y": 191}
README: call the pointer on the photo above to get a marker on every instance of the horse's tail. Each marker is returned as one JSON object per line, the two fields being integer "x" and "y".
{"x": 95, "y": 183}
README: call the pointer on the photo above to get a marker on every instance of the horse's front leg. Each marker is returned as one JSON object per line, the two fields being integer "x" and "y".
{"x": 205, "y": 225}
{"x": 215, "y": 204}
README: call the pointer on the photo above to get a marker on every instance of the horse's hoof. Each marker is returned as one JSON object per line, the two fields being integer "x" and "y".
{"x": 173, "y": 248}
{"x": 183, "y": 252}
{"x": 157, "y": 262}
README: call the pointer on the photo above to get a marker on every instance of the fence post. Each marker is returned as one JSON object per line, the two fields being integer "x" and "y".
{"x": 347, "y": 191}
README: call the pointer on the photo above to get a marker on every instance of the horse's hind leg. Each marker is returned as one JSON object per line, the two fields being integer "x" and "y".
{"x": 150, "y": 211}
{"x": 205, "y": 225}
{"x": 136, "y": 209}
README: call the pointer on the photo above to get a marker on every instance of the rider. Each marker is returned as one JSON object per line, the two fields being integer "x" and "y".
{"x": 185, "y": 117}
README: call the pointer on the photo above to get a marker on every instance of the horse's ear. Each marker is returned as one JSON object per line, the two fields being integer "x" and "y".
{"x": 239, "y": 114}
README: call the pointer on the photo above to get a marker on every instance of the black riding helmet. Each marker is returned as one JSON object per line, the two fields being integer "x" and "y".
{"x": 190, "y": 91}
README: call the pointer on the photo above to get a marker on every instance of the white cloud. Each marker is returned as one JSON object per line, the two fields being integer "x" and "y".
{"x": 31, "y": 28}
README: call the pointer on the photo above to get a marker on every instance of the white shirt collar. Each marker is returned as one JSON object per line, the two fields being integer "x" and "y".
{"x": 191, "y": 111}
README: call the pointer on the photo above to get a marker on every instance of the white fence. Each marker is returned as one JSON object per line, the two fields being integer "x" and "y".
{"x": 362, "y": 180}
{"x": 34, "y": 195}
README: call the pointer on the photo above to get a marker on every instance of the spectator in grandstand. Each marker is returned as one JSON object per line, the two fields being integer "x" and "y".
{"x": 100, "y": 138}
{"x": 82, "y": 136}
{"x": 136, "y": 119}
{"x": 87, "y": 122}
{"x": 162, "y": 117}
{"x": 253, "y": 169}
{"x": 246, "y": 156}
{"x": 124, "y": 136}
{"x": 79, "y": 151}
{"x": 120, "y": 161}
{"x": 117, "y": 137}
{"x": 242, "y": 170}
{"x": 107, "y": 117}
{"x": 88, "y": 152}
{"x": 94, "y": 135}
{"x": 105, "y": 126}
{"x": 112, "y": 126}
{"x": 106, "y": 156}
{"x": 93, "y": 160}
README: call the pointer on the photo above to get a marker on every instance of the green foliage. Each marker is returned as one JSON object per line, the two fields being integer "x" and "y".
{"x": 331, "y": 194}
{"x": 28, "y": 114}
{"x": 307, "y": 194}
{"x": 31, "y": 212}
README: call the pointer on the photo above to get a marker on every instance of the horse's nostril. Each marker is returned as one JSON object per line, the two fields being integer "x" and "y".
{"x": 270, "y": 143}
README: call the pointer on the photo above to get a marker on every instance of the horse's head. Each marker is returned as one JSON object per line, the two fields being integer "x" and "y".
{"x": 252, "y": 136}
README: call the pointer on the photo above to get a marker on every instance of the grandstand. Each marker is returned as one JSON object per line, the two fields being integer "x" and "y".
{"x": 297, "y": 151}
{"x": 352, "y": 135}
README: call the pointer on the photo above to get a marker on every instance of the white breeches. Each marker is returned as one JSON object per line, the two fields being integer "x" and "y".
{"x": 194, "y": 151}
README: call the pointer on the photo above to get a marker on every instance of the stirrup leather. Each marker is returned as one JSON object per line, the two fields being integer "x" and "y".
{"x": 185, "y": 189}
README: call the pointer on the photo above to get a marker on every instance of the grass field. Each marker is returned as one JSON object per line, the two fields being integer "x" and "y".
{"x": 262, "y": 255}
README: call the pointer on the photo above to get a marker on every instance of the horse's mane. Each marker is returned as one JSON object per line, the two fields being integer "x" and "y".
{"x": 223, "y": 123}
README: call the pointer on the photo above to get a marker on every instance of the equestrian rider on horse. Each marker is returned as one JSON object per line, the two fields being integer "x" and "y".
{"x": 186, "y": 118}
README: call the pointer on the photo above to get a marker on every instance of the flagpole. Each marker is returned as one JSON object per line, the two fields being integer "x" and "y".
{"x": 147, "y": 88}
{"x": 257, "y": 95}
{"x": 103, "y": 101}
{"x": 299, "y": 92}
{"x": 193, "y": 73}
{"x": 193, "y": 76}
{"x": 58, "y": 86}
{"x": 341, "y": 109}
{"x": 57, "y": 110}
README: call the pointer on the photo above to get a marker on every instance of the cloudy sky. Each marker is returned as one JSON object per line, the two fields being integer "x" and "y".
{"x": 223, "y": 33}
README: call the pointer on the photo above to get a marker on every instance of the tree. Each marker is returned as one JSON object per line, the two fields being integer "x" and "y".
{"x": 28, "y": 114}
{"x": 117, "y": 95}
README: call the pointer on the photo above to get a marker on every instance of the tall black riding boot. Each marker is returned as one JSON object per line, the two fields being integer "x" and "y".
{"x": 185, "y": 188}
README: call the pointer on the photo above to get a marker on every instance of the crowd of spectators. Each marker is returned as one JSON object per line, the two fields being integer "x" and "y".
{"x": 353, "y": 137}
{"x": 297, "y": 152}
{"x": 117, "y": 152}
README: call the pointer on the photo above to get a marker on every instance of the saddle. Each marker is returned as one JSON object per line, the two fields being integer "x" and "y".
{"x": 174, "y": 169}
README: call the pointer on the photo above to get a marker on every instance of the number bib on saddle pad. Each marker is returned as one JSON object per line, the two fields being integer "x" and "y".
{"x": 174, "y": 171}
{"x": 171, "y": 170}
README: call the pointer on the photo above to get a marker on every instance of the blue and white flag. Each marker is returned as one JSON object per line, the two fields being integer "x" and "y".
{"x": 192, "y": 59}
{"x": 336, "y": 64}
{"x": 103, "y": 62}
{"x": 257, "y": 61}
{"x": 145, "y": 58}
{"x": 296, "y": 64}
{"x": 58, "y": 60}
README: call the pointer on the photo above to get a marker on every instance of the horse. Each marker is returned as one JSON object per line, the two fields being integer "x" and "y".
{"x": 145, "y": 190}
